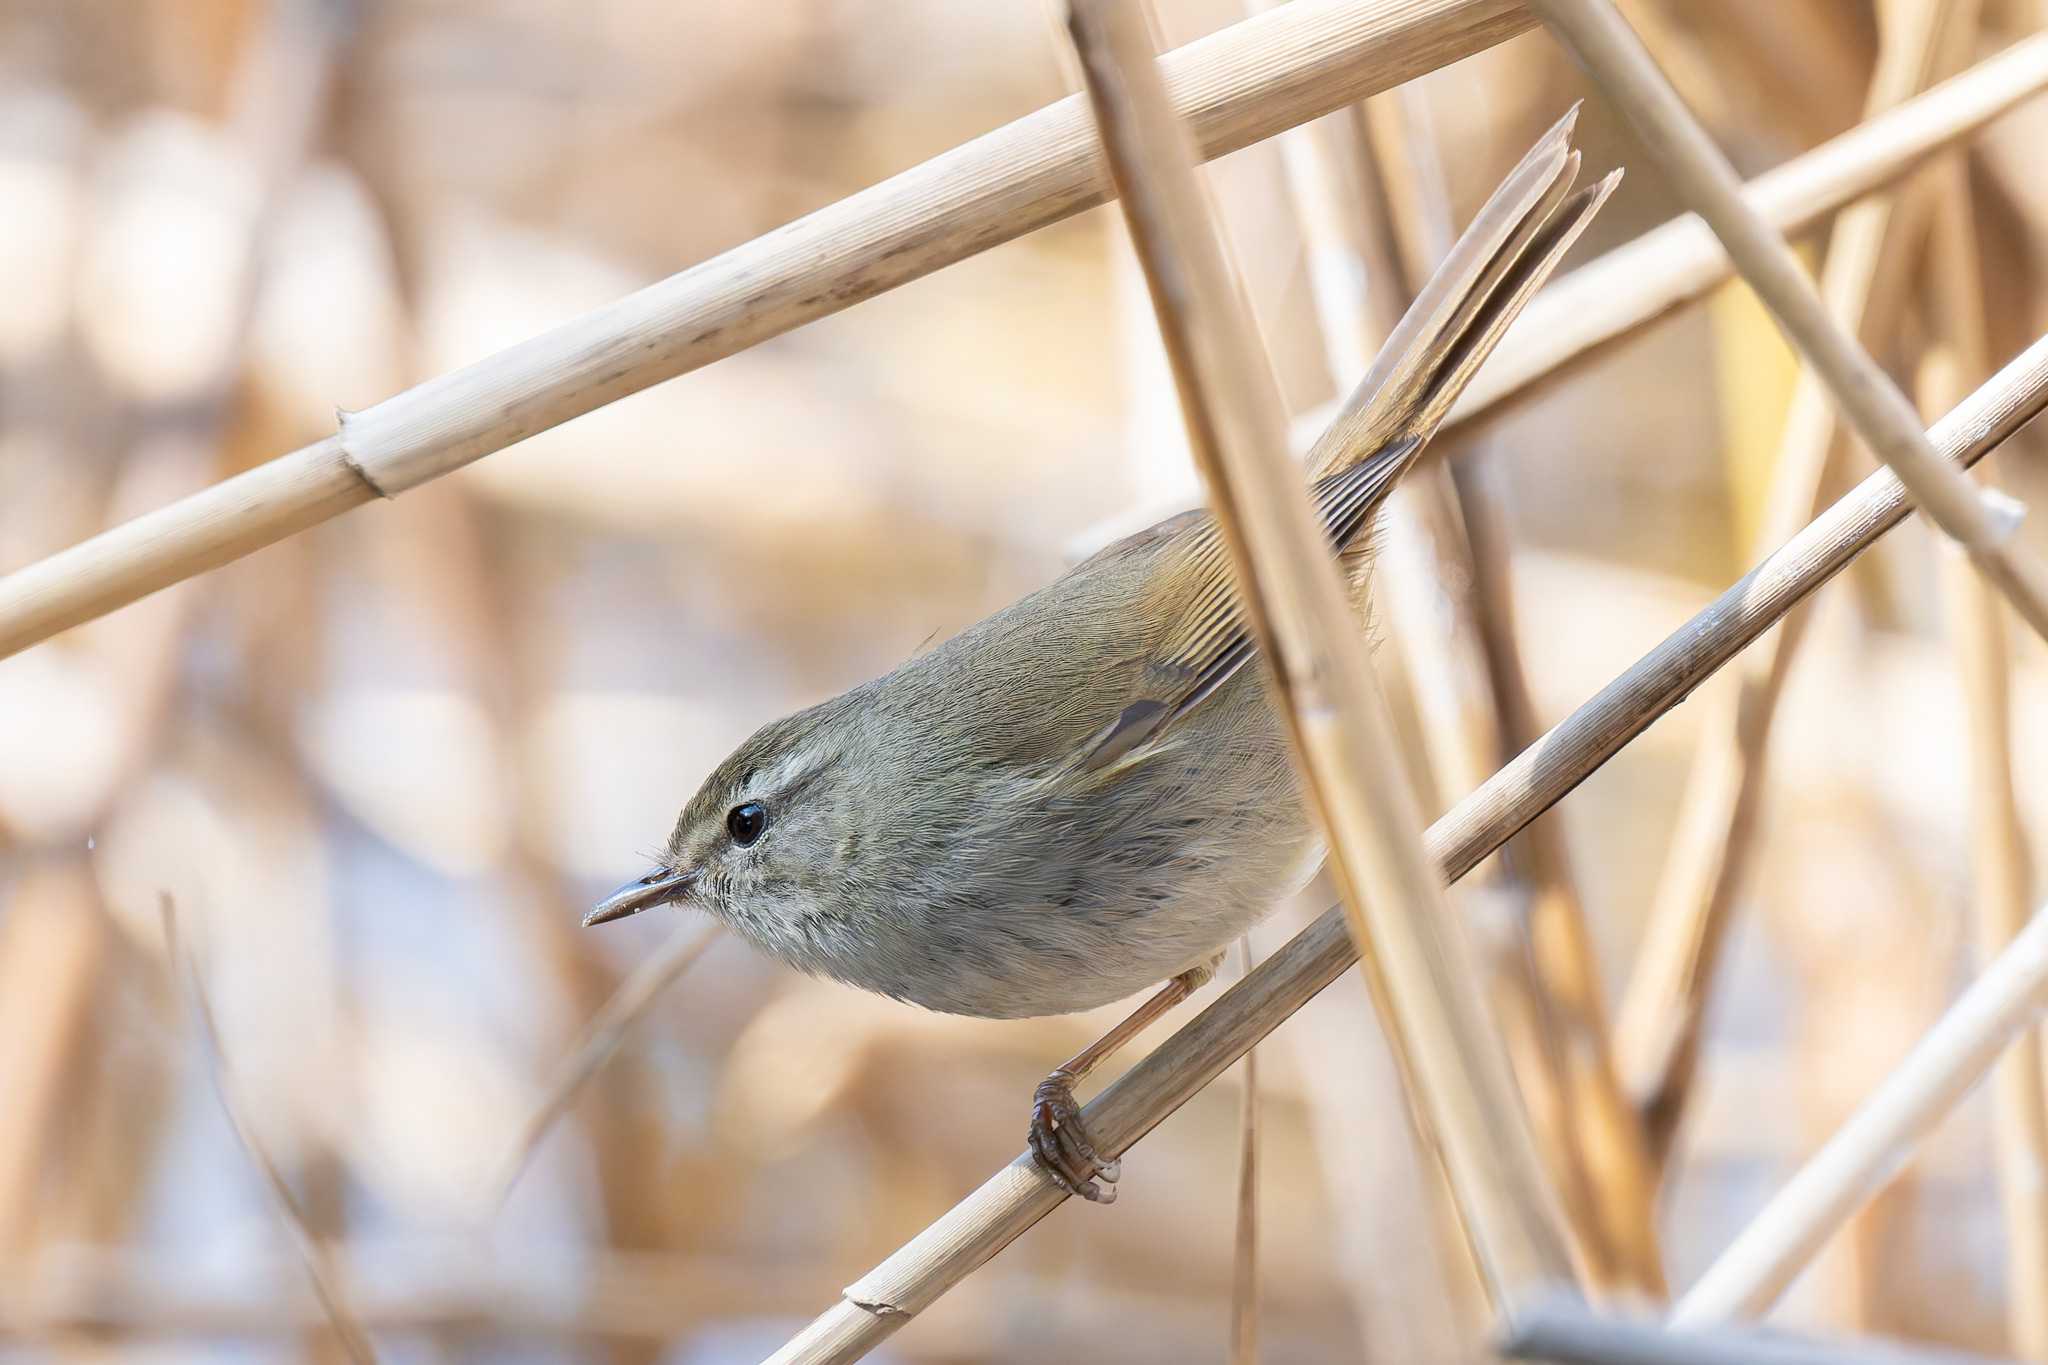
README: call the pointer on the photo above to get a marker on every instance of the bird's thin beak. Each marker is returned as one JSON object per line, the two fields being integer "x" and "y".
{"x": 658, "y": 887}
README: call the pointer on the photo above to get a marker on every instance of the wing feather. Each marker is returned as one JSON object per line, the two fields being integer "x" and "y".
{"x": 1215, "y": 644}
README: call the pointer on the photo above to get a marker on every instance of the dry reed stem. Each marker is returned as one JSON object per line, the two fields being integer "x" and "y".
{"x": 965, "y": 1238}
{"x": 1375, "y": 216}
{"x": 54, "y": 948}
{"x": 1426, "y": 576}
{"x": 1608, "y": 299}
{"x": 1358, "y": 293}
{"x": 1682, "y": 260}
{"x": 348, "y": 1329}
{"x": 1444, "y": 624}
{"x": 1557, "y": 943}
{"x": 1573, "y": 1334}
{"x": 1371, "y": 229}
{"x": 1244, "y": 1269}
{"x": 1596, "y": 1146}
{"x": 1414, "y": 1297}
{"x": 1868, "y": 1150}
{"x": 1662, "y": 1008}
{"x": 601, "y": 1038}
{"x": 105, "y": 1294}
{"x": 1344, "y": 198}
{"x": 2020, "y": 1100}
{"x": 2002, "y": 876}
{"x": 1235, "y": 87}
{"x": 1878, "y": 412}
{"x": 1299, "y": 612}
{"x": 1306, "y": 58}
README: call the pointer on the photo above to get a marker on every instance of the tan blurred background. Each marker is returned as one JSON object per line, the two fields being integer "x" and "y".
{"x": 383, "y": 766}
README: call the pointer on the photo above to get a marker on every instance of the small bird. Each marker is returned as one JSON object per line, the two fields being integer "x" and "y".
{"x": 1087, "y": 793}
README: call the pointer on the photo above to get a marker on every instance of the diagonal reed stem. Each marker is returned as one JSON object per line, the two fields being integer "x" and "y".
{"x": 1375, "y": 218}
{"x": 1869, "y": 1149}
{"x": 1235, "y": 87}
{"x": 1606, "y": 300}
{"x": 313, "y": 1254}
{"x": 1425, "y": 974}
{"x": 1604, "y": 44}
{"x": 601, "y": 1037}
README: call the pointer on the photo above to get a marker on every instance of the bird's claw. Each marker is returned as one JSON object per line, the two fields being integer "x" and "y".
{"x": 1060, "y": 1145}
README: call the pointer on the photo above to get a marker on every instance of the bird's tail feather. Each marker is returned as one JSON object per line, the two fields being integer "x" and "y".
{"x": 1497, "y": 264}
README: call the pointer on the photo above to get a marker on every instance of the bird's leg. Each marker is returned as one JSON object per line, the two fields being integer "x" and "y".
{"x": 1059, "y": 1144}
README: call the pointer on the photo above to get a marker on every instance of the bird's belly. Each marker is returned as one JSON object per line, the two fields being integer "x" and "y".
{"x": 1036, "y": 956}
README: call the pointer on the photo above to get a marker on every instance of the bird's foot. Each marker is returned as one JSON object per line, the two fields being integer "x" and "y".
{"x": 1060, "y": 1145}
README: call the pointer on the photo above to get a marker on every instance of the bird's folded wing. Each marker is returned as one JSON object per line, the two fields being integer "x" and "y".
{"x": 1511, "y": 246}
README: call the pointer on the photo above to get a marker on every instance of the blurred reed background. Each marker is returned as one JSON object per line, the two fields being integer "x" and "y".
{"x": 382, "y": 767}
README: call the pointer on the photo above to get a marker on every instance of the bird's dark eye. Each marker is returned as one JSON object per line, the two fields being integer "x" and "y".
{"x": 745, "y": 822}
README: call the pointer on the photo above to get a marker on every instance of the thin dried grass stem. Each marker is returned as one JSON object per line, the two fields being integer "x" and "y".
{"x": 1871, "y": 1147}
{"x": 2002, "y": 872}
{"x": 348, "y": 1328}
{"x": 1235, "y": 87}
{"x": 601, "y": 1038}
{"x": 1016, "y": 1197}
{"x": 1244, "y": 1276}
{"x": 1349, "y": 199}
{"x": 1880, "y": 414}
{"x": 55, "y": 942}
{"x": 1324, "y": 682}
{"x": 1375, "y": 216}
{"x": 2020, "y": 1100}
{"x": 644, "y": 1301}
{"x": 1657, "y": 1037}
{"x": 1426, "y": 574}
{"x": 1597, "y": 1148}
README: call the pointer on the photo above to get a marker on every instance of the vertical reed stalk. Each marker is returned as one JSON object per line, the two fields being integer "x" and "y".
{"x": 1659, "y": 1021}
{"x": 2002, "y": 880}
